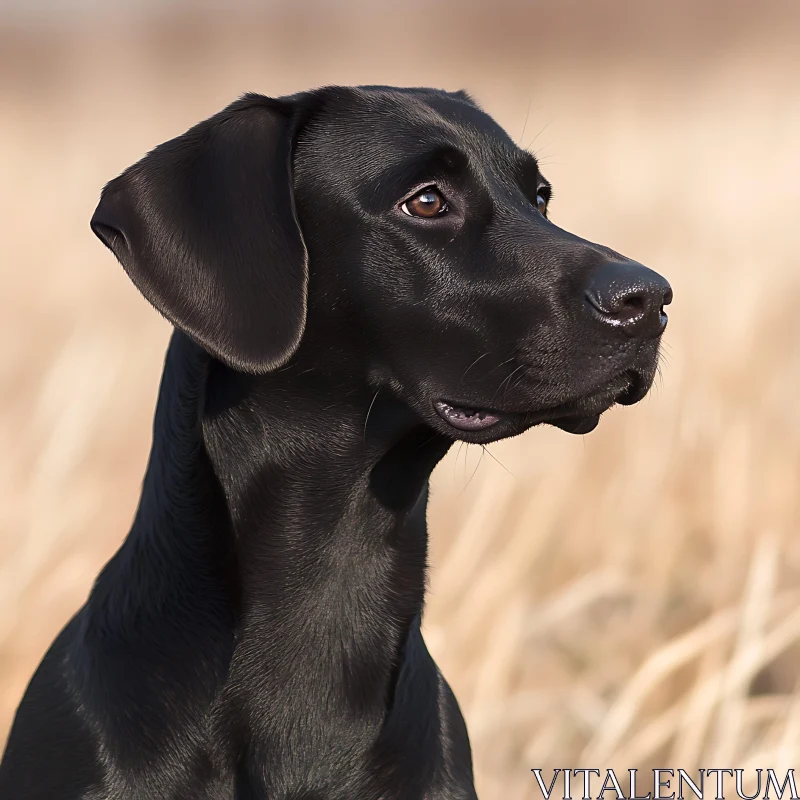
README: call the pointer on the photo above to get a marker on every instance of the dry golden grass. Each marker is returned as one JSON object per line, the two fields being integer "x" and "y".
{"x": 629, "y": 599}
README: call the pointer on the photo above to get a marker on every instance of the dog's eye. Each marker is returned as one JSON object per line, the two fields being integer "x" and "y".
{"x": 427, "y": 203}
{"x": 541, "y": 203}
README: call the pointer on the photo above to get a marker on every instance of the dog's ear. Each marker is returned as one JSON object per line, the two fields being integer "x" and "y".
{"x": 205, "y": 226}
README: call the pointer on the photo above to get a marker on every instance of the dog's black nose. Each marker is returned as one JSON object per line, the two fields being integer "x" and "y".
{"x": 631, "y": 297}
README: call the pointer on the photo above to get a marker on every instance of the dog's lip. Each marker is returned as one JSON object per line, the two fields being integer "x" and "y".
{"x": 577, "y": 424}
{"x": 569, "y": 416}
{"x": 476, "y": 419}
{"x": 465, "y": 418}
{"x": 472, "y": 419}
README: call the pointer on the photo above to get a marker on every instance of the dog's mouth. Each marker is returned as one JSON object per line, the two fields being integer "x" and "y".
{"x": 578, "y": 417}
{"x": 480, "y": 419}
{"x": 467, "y": 419}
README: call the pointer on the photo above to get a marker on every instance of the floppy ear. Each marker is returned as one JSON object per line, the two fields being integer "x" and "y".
{"x": 205, "y": 226}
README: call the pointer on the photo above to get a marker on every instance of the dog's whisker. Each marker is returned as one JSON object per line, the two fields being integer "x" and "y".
{"x": 455, "y": 463}
{"x": 505, "y": 382}
{"x": 510, "y": 376}
{"x": 464, "y": 375}
{"x": 480, "y": 458}
{"x": 427, "y": 441}
{"x": 493, "y": 456}
{"x": 525, "y": 125}
{"x": 501, "y": 364}
{"x": 542, "y": 130}
{"x": 521, "y": 378}
{"x": 369, "y": 411}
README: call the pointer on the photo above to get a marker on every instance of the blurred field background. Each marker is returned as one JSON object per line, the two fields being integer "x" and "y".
{"x": 627, "y": 599}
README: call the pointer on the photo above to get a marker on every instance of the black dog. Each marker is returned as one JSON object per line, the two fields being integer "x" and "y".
{"x": 357, "y": 278}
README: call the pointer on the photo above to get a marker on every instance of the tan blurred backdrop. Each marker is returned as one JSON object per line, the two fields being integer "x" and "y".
{"x": 627, "y": 599}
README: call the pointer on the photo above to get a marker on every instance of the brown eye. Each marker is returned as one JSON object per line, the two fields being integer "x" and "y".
{"x": 541, "y": 203}
{"x": 427, "y": 203}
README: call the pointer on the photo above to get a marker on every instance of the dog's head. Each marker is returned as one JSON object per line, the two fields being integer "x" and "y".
{"x": 406, "y": 229}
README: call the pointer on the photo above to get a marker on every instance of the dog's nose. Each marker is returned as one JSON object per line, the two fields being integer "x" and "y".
{"x": 631, "y": 297}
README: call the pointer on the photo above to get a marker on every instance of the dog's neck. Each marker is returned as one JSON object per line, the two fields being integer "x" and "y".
{"x": 291, "y": 508}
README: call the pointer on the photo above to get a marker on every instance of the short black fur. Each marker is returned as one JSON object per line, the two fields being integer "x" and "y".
{"x": 257, "y": 636}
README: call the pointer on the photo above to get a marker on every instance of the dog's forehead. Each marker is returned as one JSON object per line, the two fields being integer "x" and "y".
{"x": 388, "y": 123}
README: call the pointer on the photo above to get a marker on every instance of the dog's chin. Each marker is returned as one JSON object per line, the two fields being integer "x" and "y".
{"x": 578, "y": 416}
